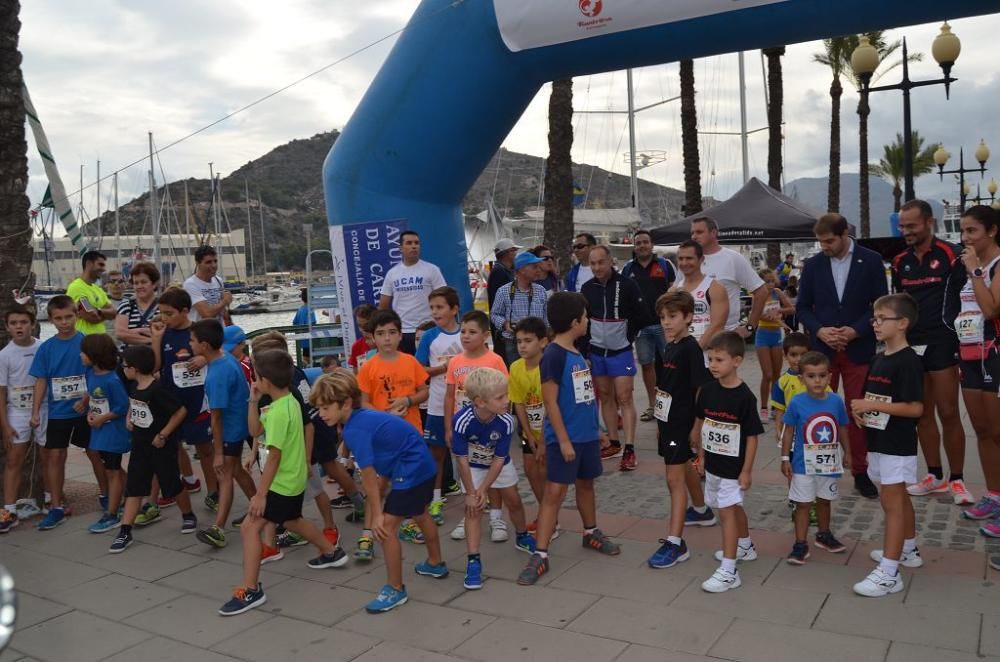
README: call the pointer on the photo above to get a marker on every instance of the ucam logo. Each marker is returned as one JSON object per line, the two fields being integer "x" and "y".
{"x": 591, "y": 8}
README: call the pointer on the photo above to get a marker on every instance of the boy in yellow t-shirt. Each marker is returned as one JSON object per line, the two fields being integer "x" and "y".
{"x": 795, "y": 345}
{"x": 525, "y": 393}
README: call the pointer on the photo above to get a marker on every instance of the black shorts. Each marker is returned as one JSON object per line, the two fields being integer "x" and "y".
{"x": 111, "y": 461}
{"x": 411, "y": 502}
{"x": 232, "y": 449}
{"x": 940, "y": 355}
{"x": 675, "y": 449}
{"x": 65, "y": 431}
{"x": 324, "y": 450}
{"x": 976, "y": 375}
{"x": 279, "y": 508}
{"x": 196, "y": 430}
{"x": 526, "y": 448}
{"x": 145, "y": 461}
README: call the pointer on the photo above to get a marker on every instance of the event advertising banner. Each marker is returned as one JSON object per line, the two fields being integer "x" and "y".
{"x": 362, "y": 254}
{"x": 536, "y": 23}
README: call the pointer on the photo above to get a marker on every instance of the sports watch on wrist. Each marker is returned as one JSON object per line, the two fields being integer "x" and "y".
{"x": 978, "y": 272}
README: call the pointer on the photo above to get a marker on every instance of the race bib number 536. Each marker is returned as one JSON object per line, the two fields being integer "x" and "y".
{"x": 721, "y": 438}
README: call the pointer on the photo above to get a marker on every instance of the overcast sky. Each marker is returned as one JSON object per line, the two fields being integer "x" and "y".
{"x": 105, "y": 72}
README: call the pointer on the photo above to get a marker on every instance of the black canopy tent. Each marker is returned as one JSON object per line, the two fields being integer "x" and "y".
{"x": 755, "y": 214}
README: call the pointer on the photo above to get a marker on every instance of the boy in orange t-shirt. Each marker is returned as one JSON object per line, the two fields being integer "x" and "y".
{"x": 392, "y": 381}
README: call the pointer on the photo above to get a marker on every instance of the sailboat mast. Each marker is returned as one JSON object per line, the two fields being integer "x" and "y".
{"x": 633, "y": 172}
{"x": 215, "y": 212}
{"x": 246, "y": 194}
{"x": 743, "y": 120}
{"x": 98, "y": 217}
{"x": 118, "y": 227}
{"x": 263, "y": 239}
{"x": 154, "y": 208}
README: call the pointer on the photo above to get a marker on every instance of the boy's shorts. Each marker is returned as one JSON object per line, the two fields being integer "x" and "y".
{"x": 324, "y": 449}
{"x": 674, "y": 447}
{"x": 506, "y": 478}
{"x": 411, "y": 502}
{"x": 434, "y": 430}
{"x": 232, "y": 448}
{"x": 806, "y": 489}
{"x": 21, "y": 423}
{"x": 585, "y": 466}
{"x": 144, "y": 462}
{"x": 196, "y": 431}
{"x": 279, "y": 508}
{"x": 61, "y": 432}
{"x": 314, "y": 483}
{"x": 111, "y": 461}
{"x": 621, "y": 364}
{"x": 722, "y": 492}
{"x": 767, "y": 338}
{"x": 891, "y": 469}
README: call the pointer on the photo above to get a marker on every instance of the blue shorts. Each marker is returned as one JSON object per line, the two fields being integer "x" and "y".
{"x": 195, "y": 431}
{"x": 768, "y": 338}
{"x": 434, "y": 430}
{"x": 621, "y": 364}
{"x": 649, "y": 343}
{"x": 585, "y": 466}
{"x": 412, "y": 502}
{"x": 232, "y": 449}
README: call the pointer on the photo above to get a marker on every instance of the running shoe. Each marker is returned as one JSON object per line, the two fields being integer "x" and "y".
{"x": 986, "y": 508}
{"x": 333, "y": 535}
{"x": 238, "y": 522}
{"x": 120, "y": 543}
{"x": 365, "y": 551}
{"x": 212, "y": 501}
{"x": 410, "y": 532}
{"x": 928, "y": 485}
{"x": 213, "y": 536}
{"x": 67, "y": 509}
{"x": 525, "y": 542}
{"x": 458, "y": 533}
{"x": 765, "y": 415}
{"x": 54, "y": 518}
{"x": 270, "y": 554}
{"x": 693, "y": 518}
{"x": 103, "y": 500}
{"x": 960, "y": 494}
{"x": 878, "y": 584}
{"x": 388, "y": 598}
{"x": 338, "y": 559}
{"x": 192, "y": 488}
{"x": 289, "y": 539}
{"x": 799, "y": 554}
{"x": 669, "y": 555}
{"x": 473, "y": 575}
{"x": 342, "y": 502}
{"x": 629, "y": 461}
{"x": 612, "y": 451}
{"x": 991, "y": 529}
{"x": 165, "y": 502}
{"x": 722, "y": 581}
{"x": 244, "y": 599}
{"x": 498, "y": 530}
{"x": 601, "y": 543}
{"x": 537, "y": 566}
{"x": 8, "y": 521}
{"x": 105, "y": 524}
{"x": 533, "y": 526}
{"x": 435, "y": 511}
{"x": 742, "y": 553}
{"x": 453, "y": 488}
{"x": 428, "y": 569}
{"x": 825, "y": 540}
{"x": 147, "y": 514}
{"x": 909, "y": 559}
{"x": 647, "y": 415}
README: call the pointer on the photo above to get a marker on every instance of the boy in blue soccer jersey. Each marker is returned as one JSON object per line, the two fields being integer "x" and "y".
{"x": 816, "y": 423}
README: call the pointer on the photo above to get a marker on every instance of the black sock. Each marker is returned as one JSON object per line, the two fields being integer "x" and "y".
{"x": 616, "y": 443}
{"x": 937, "y": 472}
{"x": 126, "y": 529}
{"x": 473, "y": 557}
{"x": 630, "y": 447}
{"x": 954, "y": 477}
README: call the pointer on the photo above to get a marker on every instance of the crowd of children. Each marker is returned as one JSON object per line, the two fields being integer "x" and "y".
{"x": 195, "y": 385}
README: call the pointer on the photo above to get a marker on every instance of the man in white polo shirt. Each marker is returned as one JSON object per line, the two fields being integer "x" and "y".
{"x": 407, "y": 286}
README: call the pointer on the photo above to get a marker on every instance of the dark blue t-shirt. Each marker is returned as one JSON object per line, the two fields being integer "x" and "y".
{"x": 176, "y": 348}
{"x": 579, "y": 411}
{"x": 815, "y": 421}
{"x": 226, "y": 389}
{"x": 108, "y": 395}
{"x": 481, "y": 441}
{"x": 391, "y": 445}
{"x": 56, "y": 360}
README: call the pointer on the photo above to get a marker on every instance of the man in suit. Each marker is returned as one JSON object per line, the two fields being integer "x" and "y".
{"x": 836, "y": 291}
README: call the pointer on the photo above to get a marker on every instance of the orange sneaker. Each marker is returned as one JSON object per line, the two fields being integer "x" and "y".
{"x": 271, "y": 554}
{"x": 333, "y": 535}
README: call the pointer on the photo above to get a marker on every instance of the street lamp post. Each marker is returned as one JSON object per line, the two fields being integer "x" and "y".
{"x": 864, "y": 61}
{"x": 941, "y": 156}
{"x": 991, "y": 188}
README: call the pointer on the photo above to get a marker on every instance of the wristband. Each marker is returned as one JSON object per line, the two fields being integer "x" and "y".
{"x": 786, "y": 458}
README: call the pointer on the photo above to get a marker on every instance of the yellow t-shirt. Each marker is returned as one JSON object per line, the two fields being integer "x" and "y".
{"x": 95, "y": 296}
{"x": 525, "y": 388}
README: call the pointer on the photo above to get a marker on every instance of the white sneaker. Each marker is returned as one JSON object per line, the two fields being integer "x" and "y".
{"x": 909, "y": 559}
{"x": 458, "y": 533}
{"x": 960, "y": 493}
{"x": 928, "y": 485}
{"x": 742, "y": 553}
{"x": 878, "y": 584}
{"x": 498, "y": 530}
{"x": 721, "y": 581}
{"x": 556, "y": 533}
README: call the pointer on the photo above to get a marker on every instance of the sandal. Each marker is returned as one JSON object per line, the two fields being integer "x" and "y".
{"x": 647, "y": 415}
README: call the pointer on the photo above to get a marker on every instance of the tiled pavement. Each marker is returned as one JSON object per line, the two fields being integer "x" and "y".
{"x": 158, "y": 600}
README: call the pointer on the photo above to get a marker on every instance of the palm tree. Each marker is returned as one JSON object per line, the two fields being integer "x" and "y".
{"x": 689, "y": 140}
{"x": 558, "y": 220}
{"x": 892, "y": 165}
{"x": 775, "y": 99}
{"x": 833, "y": 57}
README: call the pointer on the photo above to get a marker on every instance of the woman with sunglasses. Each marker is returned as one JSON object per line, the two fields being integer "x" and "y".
{"x": 136, "y": 314}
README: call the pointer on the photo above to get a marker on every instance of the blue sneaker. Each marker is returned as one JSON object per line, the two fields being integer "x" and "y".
{"x": 474, "y": 575}
{"x": 693, "y": 518}
{"x": 106, "y": 523}
{"x": 244, "y": 599}
{"x": 103, "y": 500}
{"x": 439, "y": 571}
{"x": 525, "y": 542}
{"x": 55, "y": 517}
{"x": 669, "y": 555}
{"x": 388, "y": 598}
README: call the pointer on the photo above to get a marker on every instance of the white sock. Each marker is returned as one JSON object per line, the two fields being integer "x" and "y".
{"x": 190, "y": 480}
{"x": 495, "y": 514}
{"x": 889, "y": 566}
{"x": 701, "y": 510}
{"x": 544, "y": 555}
{"x": 909, "y": 545}
{"x": 11, "y": 508}
{"x": 48, "y": 497}
{"x": 729, "y": 565}
{"x": 674, "y": 540}
{"x": 745, "y": 543}
{"x": 437, "y": 495}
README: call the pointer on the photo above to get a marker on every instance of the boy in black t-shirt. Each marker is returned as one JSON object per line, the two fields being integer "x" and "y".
{"x": 894, "y": 394}
{"x": 726, "y": 432}
{"x": 679, "y": 376}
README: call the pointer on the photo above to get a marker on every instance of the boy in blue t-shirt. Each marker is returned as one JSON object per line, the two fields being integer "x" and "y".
{"x": 572, "y": 449}
{"x": 816, "y": 422}
{"x": 228, "y": 395}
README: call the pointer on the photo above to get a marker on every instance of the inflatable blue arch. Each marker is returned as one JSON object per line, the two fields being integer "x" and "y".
{"x": 463, "y": 71}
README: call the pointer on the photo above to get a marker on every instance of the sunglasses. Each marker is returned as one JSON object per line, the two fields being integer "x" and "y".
{"x": 116, "y": 281}
{"x": 577, "y": 247}
{"x": 545, "y": 257}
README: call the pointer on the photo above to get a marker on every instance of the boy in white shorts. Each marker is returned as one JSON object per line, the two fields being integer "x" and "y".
{"x": 16, "y": 397}
{"x": 814, "y": 449}
{"x": 480, "y": 441}
{"x": 894, "y": 395}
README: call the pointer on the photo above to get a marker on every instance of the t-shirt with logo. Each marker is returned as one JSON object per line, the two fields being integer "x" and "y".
{"x": 577, "y": 401}
{"x": 525, "y": 388}
{"x": 15, "y": 362}
{"x": 284, "y": 430}
{"x": 729, "y": 417}
{"x": 678, "y": 377}
{"x": 58, "y": 361}
{"x": 817, "y": 423}
{"x": 409, "y": 287}
{"x": 459, "y": 368}
{"x": 95, "y": 296}
{"x": 150, "y": 409}
{"x": 227, "y": 390}
{"x": 437, "y": 348}
{"x": 925, "y": 279}
{"x": 896, "y": 377}
{"x": 385, "y": 380}
{"x": 481, "y": 441}
{"x": 391, "y": 446}
{"x": 108, "y": 395}
{"x": 187, "y": 385}
{"x": 204, "y": 291}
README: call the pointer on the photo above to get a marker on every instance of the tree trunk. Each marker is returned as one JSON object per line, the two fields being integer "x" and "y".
{"x": 558, "y": 221}
{"x": 775, "y": 98}
{"x": 689, "y": 140}
{"x": 15, "y": 225}
{"x": 897, "y": 196}
{"x": 833, "y": 179}
{"x": 864, "y": 211}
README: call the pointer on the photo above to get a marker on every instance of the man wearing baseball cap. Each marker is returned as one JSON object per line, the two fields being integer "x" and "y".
{"x": 503, "y": 267}
{"x": 516, "y": 300}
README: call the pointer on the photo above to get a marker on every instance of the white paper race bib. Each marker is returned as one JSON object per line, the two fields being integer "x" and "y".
{"x": 139, "y": 413}
{"x": 698, "y": 328}
{"x": 919, "y": 349}
{"x": 68, "y": 388}
{"x": 536, "y": 416}
{"x": 877, "y": 420}
{"x": 583, "y": 386}
{"x": 444, "y": 358}
{"x": 361, "y": 362}
{"x": 822, "y": 459}
{"x": 185, "y": 377}
{"x": 721, "y": 438}
{"x": 461, "y": 399}
{"x": 304, "y": 390}
{"x": 661, "y": 408}
{"x": 770, "y": 309}
{"x": 99, "y": 406}
{"x": 969, "y": 327}
{"x": 479, "y": 454}
{"x": 21, "y": 397}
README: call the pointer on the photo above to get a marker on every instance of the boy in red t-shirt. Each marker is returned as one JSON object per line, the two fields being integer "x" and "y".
{"x": 362, "y": 345}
